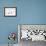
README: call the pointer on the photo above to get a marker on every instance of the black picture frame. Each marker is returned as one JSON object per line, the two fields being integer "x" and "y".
{"x": 10, "y": 15}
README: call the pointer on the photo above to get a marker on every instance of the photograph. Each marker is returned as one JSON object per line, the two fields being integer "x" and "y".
{"x": 10, "y": 11}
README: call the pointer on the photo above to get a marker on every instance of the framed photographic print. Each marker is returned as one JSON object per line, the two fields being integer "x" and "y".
{"x": 10, "y": 11}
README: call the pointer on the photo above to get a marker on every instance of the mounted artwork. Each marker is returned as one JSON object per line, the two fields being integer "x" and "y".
{"x": 10, "y": 11}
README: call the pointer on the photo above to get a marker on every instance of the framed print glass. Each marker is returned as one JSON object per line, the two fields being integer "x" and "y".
{"x": 10, "y": 11}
